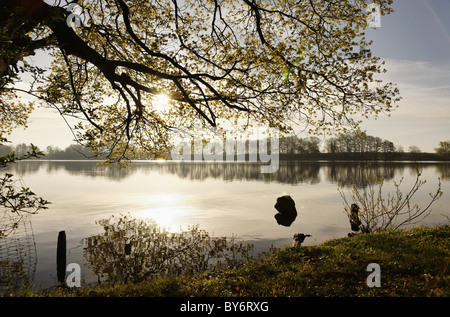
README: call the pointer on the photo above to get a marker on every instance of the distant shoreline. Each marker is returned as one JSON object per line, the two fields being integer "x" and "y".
{"x": 315, "y": 157}
{"x": 386, "y": 157}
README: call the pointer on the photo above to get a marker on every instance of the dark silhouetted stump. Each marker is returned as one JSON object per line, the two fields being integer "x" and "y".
{"x": 286, "y": 210}
{"x": 299, "y": 238}
{"x": 61, "y": 257}
{"x": 355, "y": 223}
{"x": 128, "y": 248}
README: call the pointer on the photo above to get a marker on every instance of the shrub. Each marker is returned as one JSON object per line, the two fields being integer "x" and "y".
{"x": 372, "y": 211}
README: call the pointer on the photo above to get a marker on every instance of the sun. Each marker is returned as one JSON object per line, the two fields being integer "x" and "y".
{"x": 161, "y": 102}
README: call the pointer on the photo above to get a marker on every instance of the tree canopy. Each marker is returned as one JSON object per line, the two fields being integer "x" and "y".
{"x": 359, "y": 143}
{"x": 443, "y": 149}
{"x": 221, "y": 64}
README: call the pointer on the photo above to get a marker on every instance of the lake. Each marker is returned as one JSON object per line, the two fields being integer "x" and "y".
{"x": 225, "y": 199}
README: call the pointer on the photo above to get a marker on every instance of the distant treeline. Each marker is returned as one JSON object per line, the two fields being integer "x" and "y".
{"x": 365, "y": 156}
{"x": 72, "y": 152}
{"x": 345, "y": 147}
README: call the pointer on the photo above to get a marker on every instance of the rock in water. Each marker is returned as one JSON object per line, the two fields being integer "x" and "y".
{"x": 286, "y": 210}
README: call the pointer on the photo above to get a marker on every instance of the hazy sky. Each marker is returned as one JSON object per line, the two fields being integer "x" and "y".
{"x": 415, "y": 43}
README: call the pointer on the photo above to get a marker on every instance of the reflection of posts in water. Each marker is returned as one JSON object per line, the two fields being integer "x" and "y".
{"x": 286, "y": 210}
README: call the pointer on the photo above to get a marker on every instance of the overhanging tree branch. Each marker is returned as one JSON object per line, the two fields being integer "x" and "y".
{"x": 244, "y": 61}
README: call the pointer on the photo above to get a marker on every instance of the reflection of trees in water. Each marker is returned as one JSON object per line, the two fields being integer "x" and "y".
{"x": 21, "y": 168}
{"x": 289, "y": 172}
{"x": 18, "y": 255}
{"x": 444, "y": 170}
{"x": 356, "y": 174}
{"x": 133, "y": 250}
{"x": 86, "y": 168}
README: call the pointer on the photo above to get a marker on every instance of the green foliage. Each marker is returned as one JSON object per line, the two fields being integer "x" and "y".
{"x": 18, "y": 198}
{"x": 14, "y": 278}
{"x": 20, "y": 36}
{"x": 221, "y": 63}
{"x": 26, "y": 153}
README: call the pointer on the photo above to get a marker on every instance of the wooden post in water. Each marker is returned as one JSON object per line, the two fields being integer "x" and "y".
{"x": 61, "y": 257}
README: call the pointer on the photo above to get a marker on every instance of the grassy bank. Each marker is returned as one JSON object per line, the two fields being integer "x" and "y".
{"x": 413, "y": 262}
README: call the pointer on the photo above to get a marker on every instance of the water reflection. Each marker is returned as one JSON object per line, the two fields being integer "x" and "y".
{"x": 289, "y": 172}
{"x": 222, "y": 198}
{"x": 89, "y": 169}
{"x": 133, "y": 250}
{"x": 353, "y": 174}
{"x": 443, "y": 170}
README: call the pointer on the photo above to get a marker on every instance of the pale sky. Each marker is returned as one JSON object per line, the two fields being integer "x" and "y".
{"x": 415, "y": 43}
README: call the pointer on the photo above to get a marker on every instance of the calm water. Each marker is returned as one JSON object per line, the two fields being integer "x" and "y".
{"x": 224, "y": 199}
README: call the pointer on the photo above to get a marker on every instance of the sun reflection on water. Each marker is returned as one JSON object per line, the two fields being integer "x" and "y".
{"x": 167, "y": 210}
